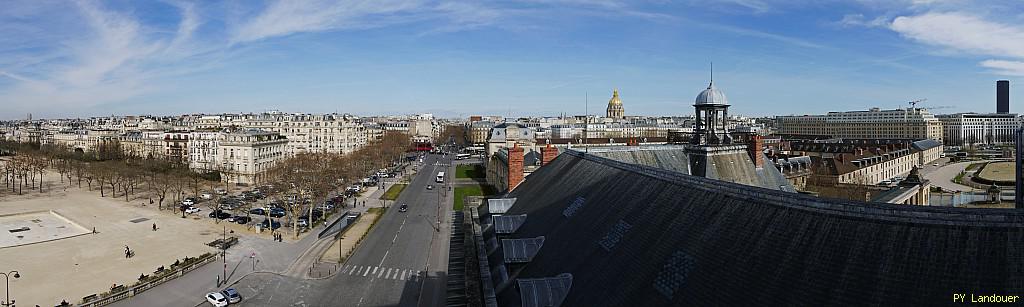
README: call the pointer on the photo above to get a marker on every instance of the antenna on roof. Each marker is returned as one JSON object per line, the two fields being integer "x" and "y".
{"x": 586, "y": 121}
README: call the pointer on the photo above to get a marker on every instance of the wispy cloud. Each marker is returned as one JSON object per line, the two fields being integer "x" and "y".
{"x": 969, "y": 34}
{"x": 282, "y": 18}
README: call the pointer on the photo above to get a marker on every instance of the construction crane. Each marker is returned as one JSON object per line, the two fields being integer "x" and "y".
{"x": 913, "y": 104}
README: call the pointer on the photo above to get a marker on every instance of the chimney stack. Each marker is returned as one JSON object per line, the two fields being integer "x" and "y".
{"x": 548, "y": 154}
{"x": 754, "y": 147}
{"x": 515, "y": 166}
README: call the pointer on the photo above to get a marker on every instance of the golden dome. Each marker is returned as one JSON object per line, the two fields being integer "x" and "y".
{"x": 615, "y": 99}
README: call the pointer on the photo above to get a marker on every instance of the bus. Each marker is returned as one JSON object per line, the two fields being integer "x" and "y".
{"x": 440, "y": 177}
{"x": 462, "y": 156}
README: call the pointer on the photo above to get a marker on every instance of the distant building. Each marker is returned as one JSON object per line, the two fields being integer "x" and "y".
{"x": 615, "y": 109}
{"x": 909, "y": 123}
{"x": 963, "y": 129}
{"x": 1003, "y": 96}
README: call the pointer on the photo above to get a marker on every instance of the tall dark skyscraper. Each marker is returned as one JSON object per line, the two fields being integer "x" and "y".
{"x": 1002, "y": 96}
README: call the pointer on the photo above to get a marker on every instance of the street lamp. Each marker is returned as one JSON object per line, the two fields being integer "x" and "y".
{"x": 7, "y": 276}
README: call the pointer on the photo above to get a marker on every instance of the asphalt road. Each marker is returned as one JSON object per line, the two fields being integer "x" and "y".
{"x": 401, "y": 262}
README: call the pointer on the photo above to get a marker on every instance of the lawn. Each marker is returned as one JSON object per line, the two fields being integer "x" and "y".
{"x": 393, "y": 191}
{"x": 474, "y": 190}
{"x": 469, "y": 171}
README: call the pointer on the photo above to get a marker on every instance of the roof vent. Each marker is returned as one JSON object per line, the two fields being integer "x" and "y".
{"x": 544, "y": 292}
{"x": 521, "y": 250}
{"x": 500, "y": 205}
{"x": 507, "y": 224}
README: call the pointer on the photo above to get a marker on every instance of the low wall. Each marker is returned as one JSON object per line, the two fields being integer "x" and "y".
{"x": 146, "y": 285}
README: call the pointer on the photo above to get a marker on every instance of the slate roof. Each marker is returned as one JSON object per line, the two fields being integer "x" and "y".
{"x": 633, "y": 235}
{"x": 735, "y": 167}
{"x": 925, "y": 144}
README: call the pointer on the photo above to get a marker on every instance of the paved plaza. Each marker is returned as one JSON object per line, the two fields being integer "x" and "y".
{"x": 60, "y": 258}
{"x": 35, "y": 227}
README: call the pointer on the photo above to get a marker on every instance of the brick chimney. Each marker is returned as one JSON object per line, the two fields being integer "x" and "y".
{"x": 754, "y": 147}
{"x": 548, "y": 154}
{"x": 515, "y": 166}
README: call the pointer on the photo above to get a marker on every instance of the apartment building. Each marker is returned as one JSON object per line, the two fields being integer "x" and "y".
{"x": 909, "y": 123}
{"x": 246, "y": 155}
{"x": 962, "y": 129}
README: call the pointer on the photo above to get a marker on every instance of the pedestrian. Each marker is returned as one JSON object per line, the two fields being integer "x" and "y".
{"x": 154, "y": 226}
{"x": 126, "y": 251}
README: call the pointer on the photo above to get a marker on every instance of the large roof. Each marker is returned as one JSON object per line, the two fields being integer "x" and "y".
{"x": 633, "y": 235}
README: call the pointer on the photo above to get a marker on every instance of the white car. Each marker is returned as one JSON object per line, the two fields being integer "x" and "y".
{"x": 216, "y": 299}
{"x": 188, "y": 202}
{"x": 191, "y": 210}
{"x": 207, "y": 196}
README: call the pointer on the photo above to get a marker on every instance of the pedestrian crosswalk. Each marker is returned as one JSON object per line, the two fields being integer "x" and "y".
{"x": 438, "y": 163}
{"x": 381, "y": 272}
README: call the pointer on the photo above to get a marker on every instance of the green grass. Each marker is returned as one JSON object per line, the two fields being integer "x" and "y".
{"x": 959, "y": 178}
{"x": 393, "y": 191}
{"x": 474, "y": 190}
{"x": 469, "y": 171}
{"x": 974, "y": 166}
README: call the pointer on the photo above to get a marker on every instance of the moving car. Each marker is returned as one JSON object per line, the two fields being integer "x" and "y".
{"x": 403, "y": 208}
{"x": 217, "y": 299}
{"x": 430, "y": 187}
{"x": 232, "y": 295}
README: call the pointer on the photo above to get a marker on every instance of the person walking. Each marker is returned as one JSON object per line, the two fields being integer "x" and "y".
{"x": 154, "y": 226}
{"x": 127, "y": 252}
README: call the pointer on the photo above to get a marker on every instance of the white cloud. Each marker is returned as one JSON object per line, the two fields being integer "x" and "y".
{"x": 962, "y": 32}
{"x": 858, "y": 20}
{"x": 1002, "y": 67}
{"x": 969, "y": 34}
{"x": 282, "y": 18}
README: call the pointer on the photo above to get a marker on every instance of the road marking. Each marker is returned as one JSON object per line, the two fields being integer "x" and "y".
{"x": 402, "y": 275}
{"x": 353, "y": 269}
{"x": 375, "y": 270}
{"x": 367, "y": 271}
{"x": 388, "y": 275}
{"x": 381, "y": 273}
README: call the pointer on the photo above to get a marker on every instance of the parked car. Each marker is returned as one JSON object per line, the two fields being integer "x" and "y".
{"x": 241, "y": 219}
{"x": 232, "y": 295}
{"x": 217, "y": 299}
{"x": 188, "y": 202}
{"x": 220, "y": 191}
{"x": 220, "y": 214}
{"x": 303, "y": 222}
{"x": 269, "y": 223}
{"x": 277, "y": 212}
{"x": 207, "y": 196}
{"x": 403, "y": 208}
{"x": 191, "y": 210}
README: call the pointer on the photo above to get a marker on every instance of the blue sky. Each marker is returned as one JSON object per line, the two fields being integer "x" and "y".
{"x": 533, "y": 57}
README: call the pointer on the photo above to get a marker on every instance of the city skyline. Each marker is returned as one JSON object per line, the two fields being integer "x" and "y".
{"x": 455, "y": 59}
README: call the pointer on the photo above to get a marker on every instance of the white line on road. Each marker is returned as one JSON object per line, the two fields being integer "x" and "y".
{"x": 375, "y": 270}
{"x": 352, "y": 270}
{"x": 367, "y": 271}
{"x": 402, "y": 276}
{"x": 381, "y": 273}
{"x": 388, "y": 274}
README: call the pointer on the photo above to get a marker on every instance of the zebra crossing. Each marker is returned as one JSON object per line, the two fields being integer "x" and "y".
{"x": 381, "y": 272}
{"x": 438, "y": 163}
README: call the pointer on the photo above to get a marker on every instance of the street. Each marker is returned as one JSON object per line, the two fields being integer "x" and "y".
{"x": 402, "y": 261}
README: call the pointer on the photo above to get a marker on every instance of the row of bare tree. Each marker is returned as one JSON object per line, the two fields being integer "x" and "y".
{"x": 304, "y": 181}
{"x": 299, "y": 181}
